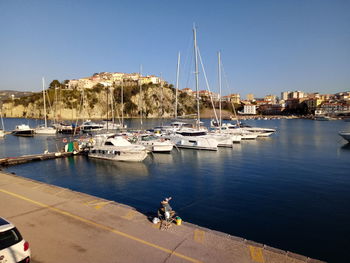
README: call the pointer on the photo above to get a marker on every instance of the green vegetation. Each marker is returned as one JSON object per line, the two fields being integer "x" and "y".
{"x": 60, "y": 97}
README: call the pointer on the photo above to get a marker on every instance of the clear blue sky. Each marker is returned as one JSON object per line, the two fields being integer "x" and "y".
{"x": 267, "y": 46}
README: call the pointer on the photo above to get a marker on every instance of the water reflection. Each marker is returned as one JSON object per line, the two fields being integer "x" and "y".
{"x": 118, "y": 169}
{"x": 346, "y": 147}
{"x": 293, "y": 181}
{"x": 162, "y": 158}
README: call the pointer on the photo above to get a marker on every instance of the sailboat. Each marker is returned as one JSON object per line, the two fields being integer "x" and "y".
{"x": 225, "y": 139}
{"x": 44, "y": 129}
{"x": 195, "y": 138}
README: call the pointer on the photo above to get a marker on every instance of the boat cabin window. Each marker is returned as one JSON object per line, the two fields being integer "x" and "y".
{"x": 108, "y": 143}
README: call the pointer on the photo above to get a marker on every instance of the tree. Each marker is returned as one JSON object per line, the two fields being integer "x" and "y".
{"x": 55, "y": 83}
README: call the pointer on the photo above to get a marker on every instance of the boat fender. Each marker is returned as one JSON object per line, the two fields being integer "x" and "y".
{"x": 155, "y": 220}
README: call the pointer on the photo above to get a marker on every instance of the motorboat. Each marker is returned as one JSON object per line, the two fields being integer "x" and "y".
{"x": 243, "y": 134}
{"x": 247, "y": 132}
{"x": 23, "y": 130}
{"x": 116, "y": 148}
{"x": 2, "y": 133}
{"x": 262, "y": 132}
{"x": 64, "y": 128}
{"x": 89, "y": 126}
{"x": 155, "y": 143}
{"x": 345, "y": 135}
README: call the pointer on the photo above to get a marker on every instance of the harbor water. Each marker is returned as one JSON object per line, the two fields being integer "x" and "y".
{"x": 289, "y": 191}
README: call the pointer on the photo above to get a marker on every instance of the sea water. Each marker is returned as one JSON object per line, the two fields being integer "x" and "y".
{"x": 289, "y": 191}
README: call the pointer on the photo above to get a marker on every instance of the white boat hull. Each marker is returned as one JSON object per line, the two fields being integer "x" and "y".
{"x": 195, "y": 142}
{"x": 158, "y": 146}
{"x": 45, "y": 131}
{"x": 119, "y": 155}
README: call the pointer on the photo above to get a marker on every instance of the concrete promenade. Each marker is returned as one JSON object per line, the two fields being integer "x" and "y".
{"x": 67, "y": 226}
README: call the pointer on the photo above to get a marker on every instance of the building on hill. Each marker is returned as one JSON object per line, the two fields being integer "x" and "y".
{"x": 271, "y": 98}
{"x": 188, "y": 91}
{"x": 250, "y": 97}
{"x": 235, "y": 98}
{"x": 312, "y": 104}
{"x": 249, "y": 109}
{"x": 116, "y": 78}
{"x": 271, "y": 109}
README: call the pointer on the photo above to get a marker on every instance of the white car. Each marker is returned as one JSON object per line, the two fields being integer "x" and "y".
{"x": 13, "y": 248}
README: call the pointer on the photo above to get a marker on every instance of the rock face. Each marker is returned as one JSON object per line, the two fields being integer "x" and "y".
{"x": 155, "y": 101}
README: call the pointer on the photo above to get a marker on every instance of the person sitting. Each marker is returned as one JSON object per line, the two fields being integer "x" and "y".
{"x": 165, "y": 211}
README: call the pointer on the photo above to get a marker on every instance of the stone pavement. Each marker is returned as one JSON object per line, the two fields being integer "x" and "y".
{"x": 67, "y": 226}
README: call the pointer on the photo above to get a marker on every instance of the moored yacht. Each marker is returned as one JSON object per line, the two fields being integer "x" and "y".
{"x": 155, "y": 143}
{"x": 89, "y": 126}
{"x": 67, "y": 128}
{"x": 45, "y": 130}
{"x": 233, "y": 130}
{"x": 117, "y": 148}
{"x": 262, "y": 132}
{"x": 194, "y": 139}
{"x": 23, "y": 130}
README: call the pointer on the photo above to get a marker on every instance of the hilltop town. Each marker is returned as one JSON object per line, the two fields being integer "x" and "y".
{"x": 149, "y": 94}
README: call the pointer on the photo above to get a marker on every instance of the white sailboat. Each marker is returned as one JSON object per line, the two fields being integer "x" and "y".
{"x": 195, "y": 138}
{"x": 225, "y": 139}
{"x": 44, "y": 129}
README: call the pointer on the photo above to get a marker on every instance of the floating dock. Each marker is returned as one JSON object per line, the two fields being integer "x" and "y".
{"x": 62, "y": 225}
{"x": 32, "y": 158}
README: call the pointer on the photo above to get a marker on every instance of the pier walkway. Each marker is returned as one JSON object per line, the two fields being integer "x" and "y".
{"x": 67, "y": 226}
{"x": 33, "y": 157}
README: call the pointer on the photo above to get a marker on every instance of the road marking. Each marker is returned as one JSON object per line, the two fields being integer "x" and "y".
{"x": 256, "y": 253}
{"x": 97, "y": 204}
{"x": 199, "y": 236}
{"x": 110, "y": 229}
{"x": 102, "y": 204}
{"x": 130, "y": 215}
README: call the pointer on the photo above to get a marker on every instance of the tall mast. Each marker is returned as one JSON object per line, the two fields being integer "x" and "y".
{"x": 44, "y": 103}
{"x": 196, "y": 71}
{"x": 140, "y": 102}
{"x": 219, "y": 71}
{"x": 122, "y": 102}
{"x": 56, "y": 105}
{"x": 177, "y": 83}
{"x": 162, "y": 99}
{"x": 107, "y": 107}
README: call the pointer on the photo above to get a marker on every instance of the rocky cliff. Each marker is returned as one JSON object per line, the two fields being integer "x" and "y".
{"x": 154, "y": 100}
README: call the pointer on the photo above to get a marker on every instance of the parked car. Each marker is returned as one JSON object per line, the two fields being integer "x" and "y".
{"x": 13, "y": 248}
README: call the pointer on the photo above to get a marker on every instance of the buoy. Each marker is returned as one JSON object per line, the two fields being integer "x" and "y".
{"x": 178, "y": 220}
